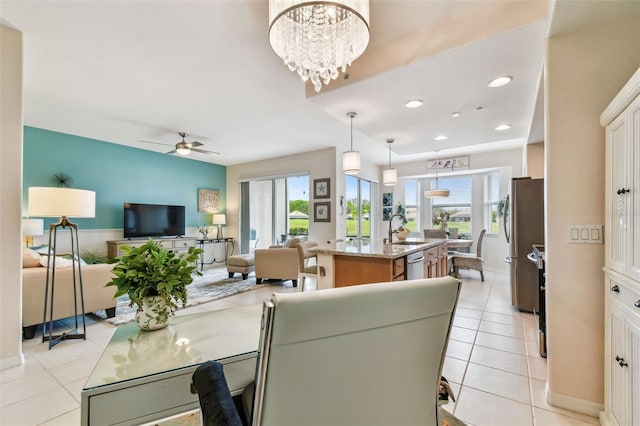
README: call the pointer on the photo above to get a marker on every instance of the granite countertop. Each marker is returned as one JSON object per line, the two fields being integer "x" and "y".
{"x": 378, "y": 249}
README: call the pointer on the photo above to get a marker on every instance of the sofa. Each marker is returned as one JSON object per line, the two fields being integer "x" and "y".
{"x": 97, "y": 297}
{"x": 278, "y": 262}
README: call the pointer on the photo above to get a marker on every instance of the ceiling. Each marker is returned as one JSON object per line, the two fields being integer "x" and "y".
{"x": 126, "y": 71}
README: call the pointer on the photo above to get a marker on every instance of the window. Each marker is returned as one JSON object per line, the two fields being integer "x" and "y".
{"x": 456, "y": 208}
{"x": 358, "y": 212}
{"x": 411, "y": 205}
{"x": 491, "y": 200}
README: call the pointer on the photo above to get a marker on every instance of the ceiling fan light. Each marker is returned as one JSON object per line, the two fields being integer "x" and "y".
{"x": 351, "y": 162}
{"x": 183, "y": 150}
{"x": 389, "y": 177}
{"x": 436, "y": 193}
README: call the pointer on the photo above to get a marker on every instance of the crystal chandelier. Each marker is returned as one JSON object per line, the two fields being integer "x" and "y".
{"x": 316, "y": 38}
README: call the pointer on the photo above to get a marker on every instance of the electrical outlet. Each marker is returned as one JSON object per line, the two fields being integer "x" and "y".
{"x": 585, "y": 234}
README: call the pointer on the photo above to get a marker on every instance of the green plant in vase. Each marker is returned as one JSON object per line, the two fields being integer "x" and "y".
{"x": 155, "y": 279}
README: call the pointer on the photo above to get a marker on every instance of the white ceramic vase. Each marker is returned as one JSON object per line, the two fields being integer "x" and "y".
{"x": 155, "y": 313}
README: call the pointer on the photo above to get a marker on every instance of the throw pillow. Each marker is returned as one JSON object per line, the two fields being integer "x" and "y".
{"x": 42, "y": 249}
{"x": 30, "y": 259}
{"x": 61, "y": 262}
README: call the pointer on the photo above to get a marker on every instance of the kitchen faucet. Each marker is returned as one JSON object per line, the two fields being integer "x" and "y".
{"x": 391, "y": 231}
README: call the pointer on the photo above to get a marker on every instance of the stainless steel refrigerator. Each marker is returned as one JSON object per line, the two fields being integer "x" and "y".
{"x": 524, "y": 226}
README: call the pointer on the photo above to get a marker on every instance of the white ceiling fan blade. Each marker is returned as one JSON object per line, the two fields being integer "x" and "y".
{"x": 157, "y": 143}
{"x": 202, "y": 151}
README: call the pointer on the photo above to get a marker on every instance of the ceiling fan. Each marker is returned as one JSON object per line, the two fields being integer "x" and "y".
{"x": 184, "y": 148}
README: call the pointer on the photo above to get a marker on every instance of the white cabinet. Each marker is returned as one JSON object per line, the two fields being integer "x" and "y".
{"x": 622, "y": 357}
{"x": 622, "y": 247}
{"x": 622, "y": 256}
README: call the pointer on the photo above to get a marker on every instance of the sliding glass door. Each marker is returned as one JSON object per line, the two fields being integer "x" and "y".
{"x": 358, "y": 214}
{"x": 272, "y": 210}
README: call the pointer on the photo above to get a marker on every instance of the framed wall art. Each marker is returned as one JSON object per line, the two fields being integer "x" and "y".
{"x": 322, "y": 212}
{"x": 322, "y": 188}
{"x": 208, "y": 200}
{"x": 387, "y": 199}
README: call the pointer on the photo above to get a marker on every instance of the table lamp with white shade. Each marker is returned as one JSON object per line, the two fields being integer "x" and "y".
{"x": 64, "y": 203}
{"x": 31, "y": 228}
{"x": 219, "y": 219}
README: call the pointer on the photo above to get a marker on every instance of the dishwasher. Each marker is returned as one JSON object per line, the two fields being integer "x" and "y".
{"x": 415, "y": 265}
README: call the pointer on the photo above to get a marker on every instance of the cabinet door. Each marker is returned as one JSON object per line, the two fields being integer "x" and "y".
{"x": 618, "y": 167}
{"x": 633, "y": 197}
{"x": 633, "y": 353}
{"x": 619, "y": 377}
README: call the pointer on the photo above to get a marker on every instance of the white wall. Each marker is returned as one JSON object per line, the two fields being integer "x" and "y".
{"x": 10, "y": 197}
{"x": 583, "y": 72}
{"x": 494, "y": 247}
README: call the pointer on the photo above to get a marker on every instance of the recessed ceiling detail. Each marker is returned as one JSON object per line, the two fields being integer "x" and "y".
{"x": 503, "y": 127}
{"x": 500, "y": 81}
{"x": 415, "y": 103}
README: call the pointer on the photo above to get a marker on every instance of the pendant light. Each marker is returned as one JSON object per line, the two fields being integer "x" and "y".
{"x": 436, "y": 193}
{"x": 389, "y": 175}
{"x": 351, "y": 158}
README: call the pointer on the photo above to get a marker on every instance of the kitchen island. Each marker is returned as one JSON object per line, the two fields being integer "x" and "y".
{"x": 364, "y": 261}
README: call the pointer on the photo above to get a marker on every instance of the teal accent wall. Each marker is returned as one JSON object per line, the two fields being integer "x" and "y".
{"x": 118, "y": 174}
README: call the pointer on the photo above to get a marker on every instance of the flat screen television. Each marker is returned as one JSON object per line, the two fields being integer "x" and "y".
{"x": 153, "y": 220}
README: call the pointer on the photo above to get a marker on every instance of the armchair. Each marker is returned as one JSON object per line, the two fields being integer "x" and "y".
{"x": 307, "y": 261}
{"x": 278, "y": 262}
{"x": 469, "y": 260}
{"x": 348, "y": 356}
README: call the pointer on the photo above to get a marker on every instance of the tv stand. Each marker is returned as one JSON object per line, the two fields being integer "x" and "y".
{"x": 178, "y": 244}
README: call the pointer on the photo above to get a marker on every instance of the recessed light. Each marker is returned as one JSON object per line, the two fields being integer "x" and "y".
{"x": 441, "y": 137}
{"x": 455, "y": 114}
{"x": 503, "y": 127}
{"x": 500, "y": 81}
{"x": 414, "y": 103}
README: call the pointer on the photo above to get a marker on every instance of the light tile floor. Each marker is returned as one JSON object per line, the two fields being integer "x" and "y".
{"x": 492, "y": 364}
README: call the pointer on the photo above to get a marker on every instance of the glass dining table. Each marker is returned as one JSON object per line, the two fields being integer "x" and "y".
{"x": 143, "y": 376}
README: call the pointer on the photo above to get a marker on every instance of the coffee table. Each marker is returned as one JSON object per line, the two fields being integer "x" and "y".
{"x": 143, "y": 376}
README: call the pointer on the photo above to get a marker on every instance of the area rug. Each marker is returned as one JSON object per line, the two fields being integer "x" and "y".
{"x": 213, "y": 284}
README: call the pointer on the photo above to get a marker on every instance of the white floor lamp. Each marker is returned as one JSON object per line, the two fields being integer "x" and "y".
{"x": 63, "y": 203}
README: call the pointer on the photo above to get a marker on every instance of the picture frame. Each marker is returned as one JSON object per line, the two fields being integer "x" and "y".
{"x": 387, "y": 212}
{"x": 387, "y": 199}
{"x": 322, "y": 188}
{"x": 322, "y": 212}
{"x": 208, "y": 200}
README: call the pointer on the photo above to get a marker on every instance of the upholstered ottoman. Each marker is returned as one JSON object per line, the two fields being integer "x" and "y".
{"x": 242, "y": 263}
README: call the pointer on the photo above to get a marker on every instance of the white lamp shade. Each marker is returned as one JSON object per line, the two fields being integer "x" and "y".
{"x": 351, "y": 162}
{"x": 33, "y": 227}
{"x": 57, "y": 202}
{"x": 436, "y": 193}
{"x": 389, "y": 177}
{"x": 219, "y": 219}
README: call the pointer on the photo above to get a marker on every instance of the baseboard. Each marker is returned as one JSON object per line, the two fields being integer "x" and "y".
{"x": 11, "y": 362}
{"x": 604, "y": 420}
{"x": 582, "y": 406}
